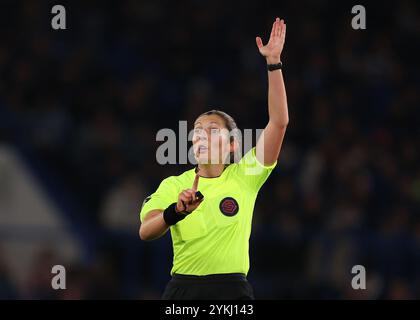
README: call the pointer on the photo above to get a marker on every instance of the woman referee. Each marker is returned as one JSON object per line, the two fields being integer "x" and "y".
{"x": 210, "y": 228}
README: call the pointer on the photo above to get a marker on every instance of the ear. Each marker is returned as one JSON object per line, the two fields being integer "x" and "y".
{"x": 233, "y": 147}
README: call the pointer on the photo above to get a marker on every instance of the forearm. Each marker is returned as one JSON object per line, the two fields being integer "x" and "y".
{"x": 277, "y": 99}
{"x": 269, "y": 145}
{"x": 154, "y": 226}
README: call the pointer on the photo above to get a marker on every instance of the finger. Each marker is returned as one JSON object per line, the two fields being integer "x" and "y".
{"x": 184, "y": 206}
{"x": 191, "y": 193}
{"x": 181, "y": 206}
{"x": 195, "y": 183}
{"x": 284, "y": 31}
{"x": 278, "y": 27}
{"x": 281, "y": 27}
{"x": 186, "y": 196}
{"x": 259, "y": 42}
{"x": 196, "y": 203}
{"x": 273, "y": 30}
{"x": 183, "y": 199}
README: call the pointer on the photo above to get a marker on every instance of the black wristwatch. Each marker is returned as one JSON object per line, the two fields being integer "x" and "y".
{"x": 272, "y": 67}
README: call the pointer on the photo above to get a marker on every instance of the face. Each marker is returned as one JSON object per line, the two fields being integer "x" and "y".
{"x": 211, "y": 140}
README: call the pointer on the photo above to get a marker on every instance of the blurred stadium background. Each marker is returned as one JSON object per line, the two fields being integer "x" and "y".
{"x": 80, "y": 108}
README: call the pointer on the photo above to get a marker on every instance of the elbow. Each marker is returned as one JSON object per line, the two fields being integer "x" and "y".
{"x": 281, "y": 124}
{"x": 144, "y": 235}
{"x": 141, "y": 234}
{"x": 285, "y": 122}
{"x": 148, "y": 235}
{"x": 284, "y": 125}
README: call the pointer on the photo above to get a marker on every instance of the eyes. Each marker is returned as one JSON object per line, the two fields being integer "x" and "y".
{"x": 211, "y": 130}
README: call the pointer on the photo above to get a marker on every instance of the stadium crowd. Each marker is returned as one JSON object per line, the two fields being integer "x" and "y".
{"x": 88, "y": 101}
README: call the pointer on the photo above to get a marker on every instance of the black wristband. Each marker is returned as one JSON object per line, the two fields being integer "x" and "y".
{"x": 272, "y": 67}
{"x": 170, "y": 215}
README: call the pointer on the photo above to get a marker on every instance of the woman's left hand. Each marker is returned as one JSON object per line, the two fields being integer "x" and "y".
{"x": 272, "y": 50}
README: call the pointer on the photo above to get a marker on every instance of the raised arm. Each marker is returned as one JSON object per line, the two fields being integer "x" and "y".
{"x": 270, "y": 142}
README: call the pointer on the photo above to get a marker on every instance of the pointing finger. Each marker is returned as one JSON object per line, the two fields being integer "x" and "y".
{"x": 195, "y": 184}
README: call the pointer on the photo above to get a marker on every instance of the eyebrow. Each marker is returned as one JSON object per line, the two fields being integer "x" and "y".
{"x": 209, "y": 123}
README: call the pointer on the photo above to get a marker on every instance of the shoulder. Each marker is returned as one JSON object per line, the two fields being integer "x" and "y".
{"x": 180, "y": 179}
{"x": 250, "y": 160}
{"x": 250, "y": 171}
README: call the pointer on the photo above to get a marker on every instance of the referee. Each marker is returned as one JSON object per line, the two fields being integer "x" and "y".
{"x": 209, "y": 209}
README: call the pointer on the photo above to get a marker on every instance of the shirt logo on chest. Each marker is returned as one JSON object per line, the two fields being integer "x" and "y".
{"x": 229, "y": 206}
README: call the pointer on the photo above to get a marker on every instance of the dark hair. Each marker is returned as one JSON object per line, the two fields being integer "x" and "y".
{"x": 230, "y": 124}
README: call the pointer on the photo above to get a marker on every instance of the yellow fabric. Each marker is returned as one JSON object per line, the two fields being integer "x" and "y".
{"x": 208, "y": 241}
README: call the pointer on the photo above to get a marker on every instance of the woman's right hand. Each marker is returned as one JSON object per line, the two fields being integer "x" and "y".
{"x": 188, "y": 200}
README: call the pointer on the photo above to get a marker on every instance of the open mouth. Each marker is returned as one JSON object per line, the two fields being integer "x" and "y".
{"x": 202, "y": 149}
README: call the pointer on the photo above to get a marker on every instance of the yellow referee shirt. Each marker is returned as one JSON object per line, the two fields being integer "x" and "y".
{"x": 214, "y": 238}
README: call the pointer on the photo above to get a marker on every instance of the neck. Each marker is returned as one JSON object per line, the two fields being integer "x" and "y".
{"x": 210, "y": 170}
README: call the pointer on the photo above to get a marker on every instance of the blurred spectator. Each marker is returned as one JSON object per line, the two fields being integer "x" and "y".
{"x": 122, "y": 204}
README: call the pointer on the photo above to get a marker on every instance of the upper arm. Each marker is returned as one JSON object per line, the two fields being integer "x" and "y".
{"x": 165, "y": 195}
{"x": 269, "y": 144}
{"x": 252, "y": 172}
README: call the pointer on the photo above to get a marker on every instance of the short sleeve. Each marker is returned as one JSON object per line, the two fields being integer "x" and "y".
{"x": 165, "y": 195}
{"x": 252, "y": 172}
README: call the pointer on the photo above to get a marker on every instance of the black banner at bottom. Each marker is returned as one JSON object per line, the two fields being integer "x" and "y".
{"x": 257, "y": 309}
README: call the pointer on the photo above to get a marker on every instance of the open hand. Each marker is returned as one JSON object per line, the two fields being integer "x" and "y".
{"x": 272, "y": 50}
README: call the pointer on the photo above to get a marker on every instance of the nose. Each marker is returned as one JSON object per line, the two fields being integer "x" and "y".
{"x": 201, "y": 136}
